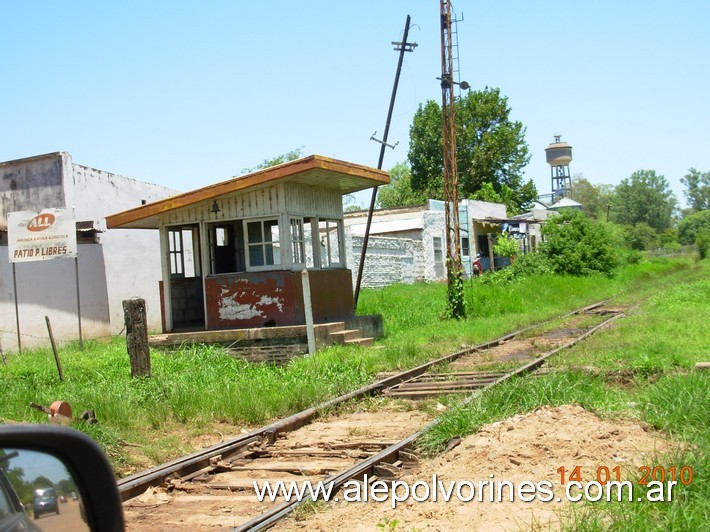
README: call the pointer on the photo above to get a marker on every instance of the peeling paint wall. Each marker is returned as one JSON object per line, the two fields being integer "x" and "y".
{"x": 251, "y": 300}
{"x": 27, "y": 183}
{"x": 242, "y": 300}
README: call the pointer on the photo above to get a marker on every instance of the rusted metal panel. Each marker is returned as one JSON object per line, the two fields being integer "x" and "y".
{"x": 331, "y": 294}
{"x": 243, "y": 300}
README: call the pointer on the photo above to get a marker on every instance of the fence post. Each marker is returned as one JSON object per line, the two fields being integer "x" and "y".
{"x": 308, "y": 311}
{"x": 137, "y": 336}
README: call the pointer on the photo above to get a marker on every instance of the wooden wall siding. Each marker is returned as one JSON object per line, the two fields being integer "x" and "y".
{"x": 309, "y": 201}
{"x": 262, "y": 202}
{"x": 292, "y": 198}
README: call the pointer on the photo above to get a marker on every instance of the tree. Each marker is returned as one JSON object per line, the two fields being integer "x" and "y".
{"x": 642, "y": 237}
{"x": 399, "y": 192}
{"x": 690, "y": 226}
{"x": 644, "y": 197}
{"x": 698, "y": 189}
{"x": 596, "y": 199}
{"x": 488, "y": 193}
{"x": 577, "y": 245}
{"x": 491, "y": 148}
{"x": 42, "y": 482}
{"x": 278, "y": 159}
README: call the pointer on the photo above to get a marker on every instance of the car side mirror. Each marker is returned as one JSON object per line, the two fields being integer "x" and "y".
{"x": 59, "y": 476}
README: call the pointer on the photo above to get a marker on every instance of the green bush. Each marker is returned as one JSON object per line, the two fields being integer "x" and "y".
{"x": 642, "y": 237}
{"x": 531, "y": 264}
{"x": 506, "y": 246}
{"x": 576, "y": 245}
{"x": 702, "y": 240}
{"x": 689, "y": 226}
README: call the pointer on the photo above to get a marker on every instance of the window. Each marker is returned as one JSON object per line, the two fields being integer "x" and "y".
{"x": 298, "y": 254}
{"x": 329, "y": 232}
{"x": 175, "y": 251}
{"x": 181, "y": 252}
{"x": 438, "y": 257}
{"x": 264, "y": 248}
{"x": 465, "y": 247}
{"x": 226, "y": 247}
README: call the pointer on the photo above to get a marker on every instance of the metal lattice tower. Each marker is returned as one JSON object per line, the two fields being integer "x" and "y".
{"x": 451, "y": 211}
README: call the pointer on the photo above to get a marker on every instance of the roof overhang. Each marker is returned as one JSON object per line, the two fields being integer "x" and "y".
{"x": 315, "y": 170}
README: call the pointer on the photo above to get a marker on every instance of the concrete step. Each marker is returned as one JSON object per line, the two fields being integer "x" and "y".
{"x": 333, "y": 327}
{"x": 340, "y": 337}
{"x": 364, "y": 342}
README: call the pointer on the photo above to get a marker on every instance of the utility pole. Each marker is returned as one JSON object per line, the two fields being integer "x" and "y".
{"x": 401, "y": 47}
{"x": 454, "y": 271}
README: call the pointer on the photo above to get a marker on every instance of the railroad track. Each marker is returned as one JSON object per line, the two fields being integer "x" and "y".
{"x": 215, "y": 486}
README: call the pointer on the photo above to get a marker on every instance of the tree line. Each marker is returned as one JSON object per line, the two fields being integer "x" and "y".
{"x": 492, "y": 153}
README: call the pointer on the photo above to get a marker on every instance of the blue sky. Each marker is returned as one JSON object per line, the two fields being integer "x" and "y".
{"x": 186, "y": 93}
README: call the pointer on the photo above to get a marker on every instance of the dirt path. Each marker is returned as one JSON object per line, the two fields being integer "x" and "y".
{"x": 527, "y": 447}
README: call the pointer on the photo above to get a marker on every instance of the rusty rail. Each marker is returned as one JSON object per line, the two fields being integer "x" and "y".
{"x": 133, "y": 485}
{"x": 272, "y": 516}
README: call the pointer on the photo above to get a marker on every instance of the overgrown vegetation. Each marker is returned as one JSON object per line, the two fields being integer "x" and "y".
{"x": 199, "y": 391}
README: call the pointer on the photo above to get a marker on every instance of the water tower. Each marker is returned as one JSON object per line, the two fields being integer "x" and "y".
{"x": 559, "y": 155}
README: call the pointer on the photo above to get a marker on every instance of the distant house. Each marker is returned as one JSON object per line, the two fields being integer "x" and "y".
{"x": 232, "y": 254}
{"x": 407, "y": 244}
{"x": 566, "y": 203}
{"x": 112, "y": 266}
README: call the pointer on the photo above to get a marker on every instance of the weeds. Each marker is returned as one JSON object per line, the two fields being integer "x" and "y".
{"x": 201, "y": 385}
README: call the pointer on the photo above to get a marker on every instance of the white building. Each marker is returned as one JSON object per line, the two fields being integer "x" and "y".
{"x": 112, "y": 266}
{"x": 407, "y": 244}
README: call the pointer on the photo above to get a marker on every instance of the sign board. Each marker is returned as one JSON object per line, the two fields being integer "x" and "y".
{"x": 32, "y": 236}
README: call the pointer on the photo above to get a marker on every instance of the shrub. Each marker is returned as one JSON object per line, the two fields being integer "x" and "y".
{"x": 531, "y": 264}
{"x": 702, "y": 240}
{"x": 689, "y": 226}
{"x": 506, "y": 246}
{"x": 642, "y": 237}
{"x": 577, "y": 245}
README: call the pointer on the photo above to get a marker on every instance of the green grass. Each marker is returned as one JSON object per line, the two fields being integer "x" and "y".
{"x": 194, "y": 390}
{"x": 641, "y": 368}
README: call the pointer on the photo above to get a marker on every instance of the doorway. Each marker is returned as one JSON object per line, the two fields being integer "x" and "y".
{"x": 186, "y": 293}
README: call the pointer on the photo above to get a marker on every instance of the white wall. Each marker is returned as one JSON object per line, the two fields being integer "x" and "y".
{"x": 405, "y": 257}
{"x": 132, "y": 256}
{"x": 48, "y": 288}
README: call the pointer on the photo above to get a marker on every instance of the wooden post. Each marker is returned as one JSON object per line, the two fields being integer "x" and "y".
{"x": 137, "y": 336}
{"x": 491, "y": 254}
{"x": 54, "y": 348}
{"x": 308, "y": 311}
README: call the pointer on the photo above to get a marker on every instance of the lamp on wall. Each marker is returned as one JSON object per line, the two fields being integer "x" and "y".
{"x": 215, "y": 207}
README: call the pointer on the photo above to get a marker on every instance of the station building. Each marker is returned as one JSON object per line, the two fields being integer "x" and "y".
{"x": 232, "y": 253}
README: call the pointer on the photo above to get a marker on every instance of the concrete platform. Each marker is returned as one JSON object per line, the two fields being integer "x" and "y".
{"x": 274, "y": 344}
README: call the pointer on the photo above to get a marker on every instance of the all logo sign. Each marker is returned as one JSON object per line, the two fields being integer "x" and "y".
{"x": 32, "y": 236}
{"x": 41, "y": 222}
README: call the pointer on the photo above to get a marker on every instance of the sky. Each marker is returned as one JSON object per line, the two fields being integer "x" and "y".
{"x": 185, "y": 93}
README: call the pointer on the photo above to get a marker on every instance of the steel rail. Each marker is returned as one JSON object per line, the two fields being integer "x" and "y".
{"x": 272, "y": 516}
{"x": 135, "y": 484}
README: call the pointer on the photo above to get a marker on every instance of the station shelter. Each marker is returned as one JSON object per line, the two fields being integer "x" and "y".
{"x": 232, "y": 253}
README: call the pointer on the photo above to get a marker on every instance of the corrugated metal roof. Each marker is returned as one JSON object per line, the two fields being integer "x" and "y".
{"x": 392, "y": 226}
{"x": 315, "y": 170}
